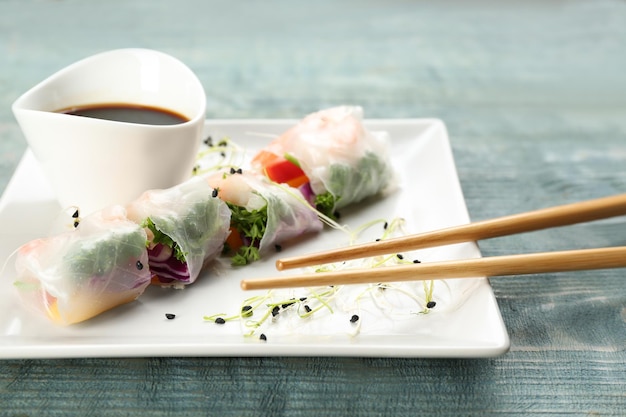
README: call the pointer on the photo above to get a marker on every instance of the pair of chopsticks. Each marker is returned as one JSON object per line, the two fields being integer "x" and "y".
{"x": 574, "y": 260}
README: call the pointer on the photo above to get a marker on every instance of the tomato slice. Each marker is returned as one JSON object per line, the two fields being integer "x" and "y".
{"x": 281, "y": 170}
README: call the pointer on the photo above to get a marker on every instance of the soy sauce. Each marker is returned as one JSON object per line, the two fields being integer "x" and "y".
{"x": 129, "y": 113}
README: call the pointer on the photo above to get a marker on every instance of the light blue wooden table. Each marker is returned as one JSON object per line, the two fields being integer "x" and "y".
{"x": 534, "y": 98}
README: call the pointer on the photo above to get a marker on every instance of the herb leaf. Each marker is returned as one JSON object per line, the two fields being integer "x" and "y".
{"x": 292, "y": 159}
{"x": 325, "y": 204}
{"x": 350, "y": 184}
{"x": 98, "y": 256}
{"x": 245, "y": 255}
{"x": 162, "y": 238}
{"x": 251, "y": 225}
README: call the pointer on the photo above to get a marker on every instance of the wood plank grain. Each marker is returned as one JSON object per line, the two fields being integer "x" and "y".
{"x": 533, "y": 97}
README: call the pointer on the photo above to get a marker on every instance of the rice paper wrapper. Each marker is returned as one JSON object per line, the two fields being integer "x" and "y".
{"x": 339, "y": 155}
{"x": 289, "y": 215}
{"x": 76, "y": 275}
{"x": 189, "y": 214}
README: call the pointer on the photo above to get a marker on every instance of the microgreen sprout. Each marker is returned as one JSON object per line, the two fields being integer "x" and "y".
{"x": 216, "y": 156}
{"x": 251, "y": 224}
{"x": 164, "y": 239}
{"x": 275, "y": 307}
{"x": 429, "y": 288}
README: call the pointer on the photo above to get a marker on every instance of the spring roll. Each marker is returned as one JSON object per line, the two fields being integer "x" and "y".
{"x": 76, "y": 275}
{"x": 331, "y": 157}
{"x": 186, "y": 226}
{"x": 264, "y": 214}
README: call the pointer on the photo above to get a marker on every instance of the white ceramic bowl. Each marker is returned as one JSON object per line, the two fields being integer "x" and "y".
{"x": 93, "y": 163}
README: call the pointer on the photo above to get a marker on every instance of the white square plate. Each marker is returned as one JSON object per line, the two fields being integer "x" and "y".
{"x": 466, "y": 321}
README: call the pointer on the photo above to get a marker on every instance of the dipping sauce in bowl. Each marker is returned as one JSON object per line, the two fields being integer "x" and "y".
{"x": 128, "y": 113}
{"x": 111, "y": 126}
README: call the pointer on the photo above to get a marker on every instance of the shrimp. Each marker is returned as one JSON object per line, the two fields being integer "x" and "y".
{"x": 333, "y": 133}
{"x": 235, "y": 189}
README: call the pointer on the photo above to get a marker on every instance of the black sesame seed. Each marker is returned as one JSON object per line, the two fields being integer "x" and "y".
{"x": 263, "y": 337}
{"x": 139, "y": 265}
{"x": 307, "y": 308}
{"x": 302, "y": 298}
{"x": 220, "y": 320}
{"x": 232, "y": 170}
{"x": 214, "y": 193}
{"x": 195, "y": 169}
{"x": 246, "y": 311}
{"x": 75, "y": 215}
{"x": 400, "y": 256}
{"x": 76, "y": 223}
{"x": 222, "y": 142}
{"x": 354, "y": 318}
{"x": 431, "y": 304}
{"x": 378, "y": 240}
{"x": 275, "y": 311}
{"x": 223, "y": 154}
{"x": 208, "y": 141}
{"x": 416, "y": 261}
{"x": 288, "y": 304}
{"x": 239, "y": 171}
{"x": 170, "y": 316}
{"x": 386, "y": 225}
{"x": 278, "y": 248}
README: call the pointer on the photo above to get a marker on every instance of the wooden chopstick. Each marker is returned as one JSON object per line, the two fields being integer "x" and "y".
{"x": 502, "y": 226}
{"x": 574, "y": 260}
